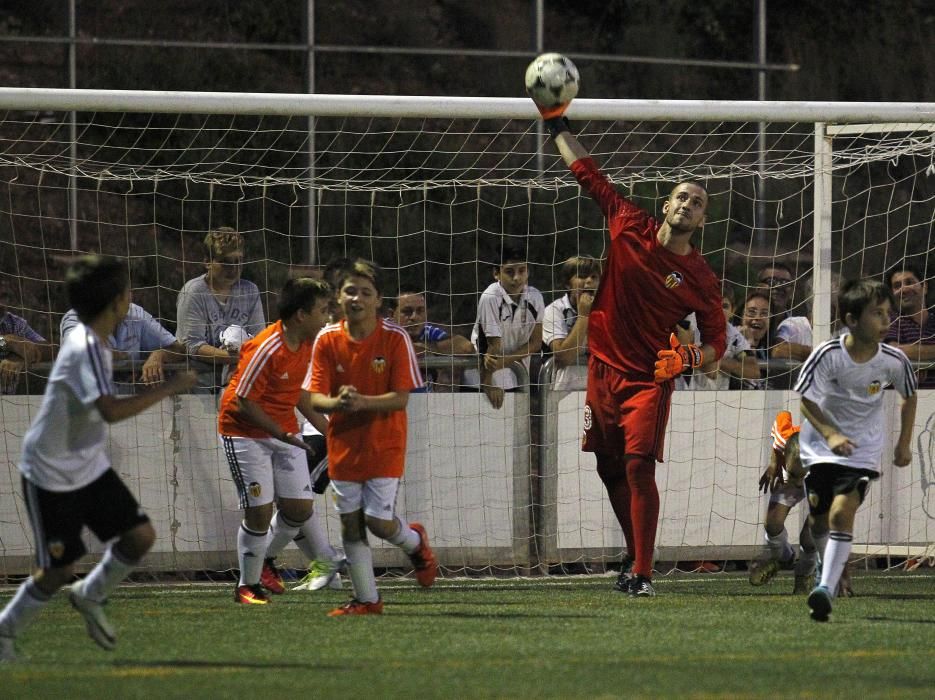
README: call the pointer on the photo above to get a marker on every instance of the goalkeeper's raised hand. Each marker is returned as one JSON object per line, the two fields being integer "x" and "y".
{"x": 677, "y": 358}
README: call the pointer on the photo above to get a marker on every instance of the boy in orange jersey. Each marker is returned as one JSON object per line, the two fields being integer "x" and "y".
{"x": 363, "y": 369}
{"x": 260, "y": 436}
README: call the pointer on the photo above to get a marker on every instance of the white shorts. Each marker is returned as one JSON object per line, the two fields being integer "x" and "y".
{"x": 265, "y": 469}
{"x": 376, "y": 497}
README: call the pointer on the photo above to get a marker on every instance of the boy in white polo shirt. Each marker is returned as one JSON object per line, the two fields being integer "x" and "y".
{"x": 68, "y": 482}
{"x": 509, "y": 324}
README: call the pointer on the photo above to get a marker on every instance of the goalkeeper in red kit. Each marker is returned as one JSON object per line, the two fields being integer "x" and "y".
{"x": 654, "y": 277}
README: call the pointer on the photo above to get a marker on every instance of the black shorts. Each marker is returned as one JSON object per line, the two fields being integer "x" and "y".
{"x": 317, "y": 462}
{"x": 58, "y": 518}
{"x": 825, "y": 481}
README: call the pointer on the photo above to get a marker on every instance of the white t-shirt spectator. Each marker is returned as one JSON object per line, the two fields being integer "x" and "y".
{"x": 498, "y": 316}
{"x": 560, "y": 317}
{"x": 795, "y": 329}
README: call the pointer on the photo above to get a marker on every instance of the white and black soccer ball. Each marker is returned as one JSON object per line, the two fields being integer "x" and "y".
{"x": 551, "y": 80}
{"x": 233, "y": 337}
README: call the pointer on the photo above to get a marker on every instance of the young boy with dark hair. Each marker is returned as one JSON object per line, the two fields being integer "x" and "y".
{"x": 260, "y": 435}
{"x": 509, "y": 324}
{"x": 842, "y": 436}
{"x": 68, "y": 483}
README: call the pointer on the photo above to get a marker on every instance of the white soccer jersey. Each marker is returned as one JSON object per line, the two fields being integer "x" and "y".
{"x": 63, "y": 449}
{"x": 560, "y": 317}
{"x": 851, "y": 396}
{"x": 498, "y": 316}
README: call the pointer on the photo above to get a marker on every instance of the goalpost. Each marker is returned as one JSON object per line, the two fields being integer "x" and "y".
{"x": 429, "y": 188}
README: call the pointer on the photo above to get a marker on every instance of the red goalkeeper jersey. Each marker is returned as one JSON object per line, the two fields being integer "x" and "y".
{"x": 645, "y": 289}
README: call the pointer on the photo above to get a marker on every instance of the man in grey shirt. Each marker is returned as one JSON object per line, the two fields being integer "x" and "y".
{"x": 210, "y": 303}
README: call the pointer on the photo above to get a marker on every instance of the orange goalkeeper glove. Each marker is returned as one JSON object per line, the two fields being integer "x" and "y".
{"x": 679, "y": 357}
{"x": 554, "y": 111}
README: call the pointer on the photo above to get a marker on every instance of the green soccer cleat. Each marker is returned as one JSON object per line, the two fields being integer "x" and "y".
{"x": 819, "y": 603}
{"x": 323, "y": 573}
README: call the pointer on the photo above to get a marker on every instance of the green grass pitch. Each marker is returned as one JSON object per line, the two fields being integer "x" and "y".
{"x": 559, "y": 637}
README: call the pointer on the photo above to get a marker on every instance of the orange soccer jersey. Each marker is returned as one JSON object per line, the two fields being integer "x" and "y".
{"x": 270, "y": 374}
{"x": 365, "y": 445}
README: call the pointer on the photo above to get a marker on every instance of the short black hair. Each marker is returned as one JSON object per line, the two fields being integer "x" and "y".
{"x": 92, "y": 282}
{"x": 903, "y": 267}
{"x": 511, "y": 254}
{"x": 300, "y": 293}
{"x": 856, "y": 295}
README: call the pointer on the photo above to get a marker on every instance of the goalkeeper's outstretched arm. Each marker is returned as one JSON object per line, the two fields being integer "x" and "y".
{"x": 565, "y": 141}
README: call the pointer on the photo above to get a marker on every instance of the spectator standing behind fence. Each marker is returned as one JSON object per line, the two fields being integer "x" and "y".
{"x": 410, "y": 312}
{"x": 509, "y": 324}
{"x": 68, "y": 483}
{"x": 20, "y": 345}
{"x": 738, "y": 364}
{"x": 913, "y": 326}
{"x": 654, "y": 278}
{"x": 565, "y": 323}
{"x": 137, "y": 334}
{"x": 216, "y": 300}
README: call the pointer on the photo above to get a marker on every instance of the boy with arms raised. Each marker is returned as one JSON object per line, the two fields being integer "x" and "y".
{"x": 363, "y": 369}
{"x": 265, "y": 450}
{"x": 841, "y": 384}
{"x": 68, "y": 482}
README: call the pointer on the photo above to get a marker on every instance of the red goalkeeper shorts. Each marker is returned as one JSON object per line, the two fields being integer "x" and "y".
{"x": 622, "y": 415}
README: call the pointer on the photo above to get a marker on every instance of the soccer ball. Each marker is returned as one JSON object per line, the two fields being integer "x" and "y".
{"x": 233, "y": 337}
{"x": 551, "y": 80}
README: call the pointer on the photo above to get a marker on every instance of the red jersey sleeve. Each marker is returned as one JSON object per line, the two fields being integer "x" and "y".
{"x": 623, "y": 216}
{"x": 405, "y": 367}
{"x": 318, "y": 379}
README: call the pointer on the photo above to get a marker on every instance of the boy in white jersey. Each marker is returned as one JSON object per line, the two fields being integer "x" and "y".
{"x": 841, "y": 441}
{"x": 68, "y": 482}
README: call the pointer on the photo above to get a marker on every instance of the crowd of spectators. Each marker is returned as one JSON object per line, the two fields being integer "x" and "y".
{"x": 515, "y": 326}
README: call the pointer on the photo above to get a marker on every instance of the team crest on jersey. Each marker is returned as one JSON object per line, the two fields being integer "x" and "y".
{"x": 56, "y": 549}
{"x": 875, "y": 388}
{"x": 587, "y": 417}
{"x": 255, "y": 489}
{"x": 673, "y": 280}
{"x": 379, "y": 365}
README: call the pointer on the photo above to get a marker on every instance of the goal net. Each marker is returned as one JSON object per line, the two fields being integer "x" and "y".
{"x": 431, "y": 189}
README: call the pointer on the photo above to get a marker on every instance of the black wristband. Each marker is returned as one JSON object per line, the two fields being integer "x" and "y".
{"x": 556, "y": 125}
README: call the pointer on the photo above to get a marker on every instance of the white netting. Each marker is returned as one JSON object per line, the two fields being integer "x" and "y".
{"x": 431, "y": 200}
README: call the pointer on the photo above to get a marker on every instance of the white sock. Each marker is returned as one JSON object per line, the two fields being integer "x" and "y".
{"x": 22, "y": 608}
{"x": 104, "y": 577}
{"x": 779, "y": 547}
{"x": 251, "y": 548}
{"x": 405, "y": 538}
{"x": 312, "y": 540}
{"x": 282, "y": 531}
{"x": 360, "y": 570}
{"x": 837, "y": 552}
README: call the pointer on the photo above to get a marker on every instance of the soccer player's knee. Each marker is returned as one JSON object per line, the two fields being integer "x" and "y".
{"x": 296, "y": 511}
{"x": 138, "y": 541}
{"x": 381, "y": 528}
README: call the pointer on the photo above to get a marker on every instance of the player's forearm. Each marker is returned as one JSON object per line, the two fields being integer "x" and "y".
{"x": 907, "y": 418}
{"x": 250, "y": 412}
{"x": 318, "y": 421}
{"x": 114, "y": 409}
{"x": 814, "y": 415}
{"x": 390, "y": 401}
{"x": 324, "y": 403}
{"x": 569, "y": 148}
